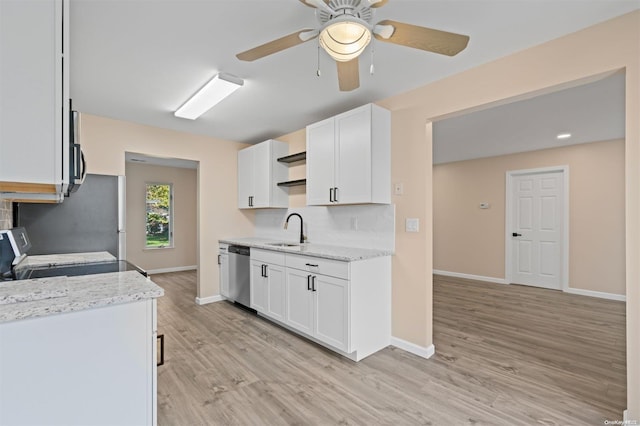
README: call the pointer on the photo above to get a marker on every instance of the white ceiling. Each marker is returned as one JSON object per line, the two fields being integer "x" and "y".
{"x": 138, "y": 60}
{"x": 590, "y": 112}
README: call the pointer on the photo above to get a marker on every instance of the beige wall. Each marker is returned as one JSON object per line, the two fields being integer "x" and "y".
{"x": 185, "y": 203}
{"x": 607, "y": 47}
{"x": 105, "y": 142}
{"x": 470, "y": 240}
{"x": 6, "y": 214}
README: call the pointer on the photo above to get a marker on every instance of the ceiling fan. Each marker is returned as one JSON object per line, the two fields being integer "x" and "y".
{"x": 346, "y": 30}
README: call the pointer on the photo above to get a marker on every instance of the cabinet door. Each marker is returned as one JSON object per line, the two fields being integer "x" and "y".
{"x": 224, "y": 274}
{"x": 353, "y": 156}
{"x": 258, "y": 286}
{"x": 331, "y": 311}
{"x": 276, "y": 292}
{"x": 31, "y": 84}
{"x": 245, "y": 177}
{"x": 299, "y": 302}
{"x": 261, "y": 174}
{"x": 320, "y": 162}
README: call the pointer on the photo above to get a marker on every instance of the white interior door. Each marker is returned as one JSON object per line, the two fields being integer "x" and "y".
{"x": 537, "y": 229}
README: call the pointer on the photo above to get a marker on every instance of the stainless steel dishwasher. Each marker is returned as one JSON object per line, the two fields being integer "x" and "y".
{"x": 239, "y": 275}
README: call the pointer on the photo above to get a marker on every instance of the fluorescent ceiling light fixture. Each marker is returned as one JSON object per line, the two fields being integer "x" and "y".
{"x": 218, "y": 88}
{"x": 344, "y": 38}
{"x": 563, "y": 135}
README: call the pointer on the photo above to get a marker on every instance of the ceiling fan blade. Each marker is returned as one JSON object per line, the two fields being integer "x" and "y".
{"x": 319, "y": 4}
{"x": 428, "y": 39}
{"x": 278, "y": 45}
{"x": 348, "y": 75}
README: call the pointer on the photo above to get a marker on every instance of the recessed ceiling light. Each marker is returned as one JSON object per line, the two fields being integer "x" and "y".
{"x": 218, "y": 88}
{"x": 563, "y": 135}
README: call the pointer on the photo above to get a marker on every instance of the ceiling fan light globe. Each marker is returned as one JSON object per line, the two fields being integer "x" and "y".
{"x": 345, "y": 40}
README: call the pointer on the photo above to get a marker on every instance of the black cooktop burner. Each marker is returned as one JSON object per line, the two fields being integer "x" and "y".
{"x": 75, "y": 270}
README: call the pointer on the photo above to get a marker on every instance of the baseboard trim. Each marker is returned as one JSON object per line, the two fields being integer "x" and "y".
{"x": 470, "y": 277}
{"x": 175, "y": 269}
{"x": 210, "y": 299}
{"x": 598, "y": 294}
{"x": 421, "y": 351}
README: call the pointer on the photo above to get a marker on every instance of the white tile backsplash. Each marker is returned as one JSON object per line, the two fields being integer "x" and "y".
{"x": 334, "y": 225}
{"x": 6, "y": 214}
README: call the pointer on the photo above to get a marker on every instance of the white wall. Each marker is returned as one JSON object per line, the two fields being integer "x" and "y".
{"x": 332, "y": 225}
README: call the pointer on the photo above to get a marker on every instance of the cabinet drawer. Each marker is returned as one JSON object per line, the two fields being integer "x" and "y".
{"x": 318, "y": 265}
{"x": 267, "y": 256}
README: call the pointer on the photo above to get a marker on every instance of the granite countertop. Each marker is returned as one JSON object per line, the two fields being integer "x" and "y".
{"x": 67, "y": 259}
{"x": 48, "y": 296}
{"x": 347, "y": 254}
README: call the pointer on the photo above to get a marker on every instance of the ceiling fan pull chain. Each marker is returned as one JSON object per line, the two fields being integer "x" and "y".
{"x": 371, "y": 68}
{"x": 318, "y": 70}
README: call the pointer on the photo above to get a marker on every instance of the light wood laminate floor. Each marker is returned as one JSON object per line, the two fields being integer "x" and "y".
{"x": 505, "y": 355}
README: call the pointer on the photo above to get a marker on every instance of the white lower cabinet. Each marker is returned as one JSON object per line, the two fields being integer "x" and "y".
{"x": 345, "y": 306}
{"x": 331, "y": 309}
{"x": 223, "y": 265}
{"x": 299, "y": 301}
{"x": 95, "y": 367}
{"x": 317, "y": 305}
{"x": 267, "y": 283}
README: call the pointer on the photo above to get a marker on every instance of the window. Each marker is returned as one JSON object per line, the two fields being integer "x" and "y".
{"x": 159, "y": 221}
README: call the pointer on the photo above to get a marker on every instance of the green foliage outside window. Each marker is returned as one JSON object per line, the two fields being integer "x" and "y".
{"x": 159, "y": 232}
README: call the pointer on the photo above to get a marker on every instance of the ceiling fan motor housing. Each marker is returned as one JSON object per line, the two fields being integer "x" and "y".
{"x": 345, "y": 7}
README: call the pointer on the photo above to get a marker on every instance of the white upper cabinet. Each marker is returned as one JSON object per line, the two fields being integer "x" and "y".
{"x": 259, "y": 173}
{"x": 34, "y": 105}
{"x": 349, "y": 158}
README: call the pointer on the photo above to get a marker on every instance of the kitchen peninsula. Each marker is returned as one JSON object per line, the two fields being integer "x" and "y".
{"x": 79, "y": 350}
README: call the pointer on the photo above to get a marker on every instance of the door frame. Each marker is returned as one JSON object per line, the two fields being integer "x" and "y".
{"x": 510, "y": 175}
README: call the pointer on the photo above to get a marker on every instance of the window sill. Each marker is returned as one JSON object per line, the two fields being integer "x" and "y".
{"x": 157, "y": 248}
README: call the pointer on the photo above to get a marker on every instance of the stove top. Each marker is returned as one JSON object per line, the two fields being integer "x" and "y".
{"x": 27, "y": 273}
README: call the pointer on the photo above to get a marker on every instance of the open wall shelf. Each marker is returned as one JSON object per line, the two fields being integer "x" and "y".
{"x": 298, "y": 182}
{"x": 293, "y": 158}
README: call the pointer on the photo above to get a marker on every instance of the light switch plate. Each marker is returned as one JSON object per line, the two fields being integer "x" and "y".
{"x": 412, "y": 225}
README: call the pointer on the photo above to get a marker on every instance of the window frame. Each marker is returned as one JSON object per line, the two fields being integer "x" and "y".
{"x": 170, "y": 245}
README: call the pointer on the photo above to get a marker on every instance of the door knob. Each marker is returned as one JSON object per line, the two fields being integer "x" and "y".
{"x": 515, "y": 234}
